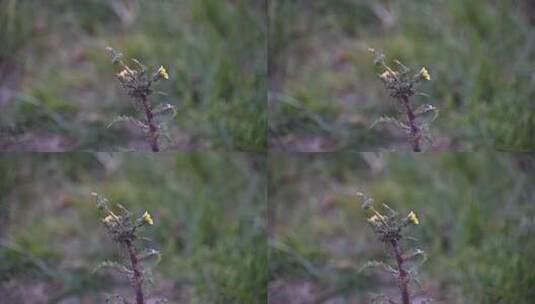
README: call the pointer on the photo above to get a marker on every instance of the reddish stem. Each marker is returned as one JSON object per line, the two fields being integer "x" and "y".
{"x": 415, "y": 131}
{"x": 138, "y": 277}
{"x": 153, "y": 131}
{"x": 403, "y": 280}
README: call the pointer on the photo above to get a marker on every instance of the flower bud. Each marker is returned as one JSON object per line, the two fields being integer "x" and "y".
{"x": 412, "y": 218}
{"x": 147, "y": 218}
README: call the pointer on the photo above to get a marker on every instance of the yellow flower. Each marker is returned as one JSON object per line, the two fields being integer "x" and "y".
{"x": 163, "y": 73}
{"x": 413, "y": 218}
{"x": 425, "y": 74}
{"x": 147, "y": 218}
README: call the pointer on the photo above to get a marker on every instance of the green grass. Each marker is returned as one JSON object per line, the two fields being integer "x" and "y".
{"x": 60, "y": 79}
{"x": 480, "y": 54}
{"x": 476, "y": 212}
{"x": 209, "y": 224}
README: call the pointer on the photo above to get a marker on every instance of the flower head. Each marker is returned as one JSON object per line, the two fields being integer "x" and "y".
{"x": 123, "y": 74}
{"x": 147, "y": 218}
{"x": 413, "y": 218}
{"x": 425, "y": 74}
{"x": 373, "y": 219}
{"x": 108, "y": 220}
{"x": 386, "y": 75}
{"x": 163, "y": 73}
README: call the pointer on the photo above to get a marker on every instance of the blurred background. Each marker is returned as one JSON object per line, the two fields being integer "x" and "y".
{"x": 324, "y": 92}
{"x": 477, "y": 220}
{"x": 209, "y": 224}
{"x": 57, "y": 86}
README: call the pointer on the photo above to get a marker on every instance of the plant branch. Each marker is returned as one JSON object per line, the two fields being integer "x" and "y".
{"x": 414, "y": 130}
{"x": 153, "y": 130}
{"x": 403, "y": 280}
{"x": 138, "y": 277}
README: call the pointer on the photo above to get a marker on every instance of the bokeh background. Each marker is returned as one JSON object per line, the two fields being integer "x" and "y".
{"x": 324, "y": 92}
{"x": 209, "y": 213}
{"x": 57, "y": 85}
{"x": 477, "y": 220}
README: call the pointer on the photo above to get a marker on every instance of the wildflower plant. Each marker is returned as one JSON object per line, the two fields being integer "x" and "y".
{"x": 389, "y": 227}
{"x": 138, "y": 82}
{"x": 123, "y": 227}
{"x": 401, "y": 85}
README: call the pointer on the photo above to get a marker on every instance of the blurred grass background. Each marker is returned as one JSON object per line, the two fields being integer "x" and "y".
{"x": 323, "y": 87}
{"x": 209, "y": 213}
{"x": 477, "y": 213}
{"x": 57, "y": 86}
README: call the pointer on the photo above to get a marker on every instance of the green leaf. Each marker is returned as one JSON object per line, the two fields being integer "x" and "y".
{"x": 150, "y": 253}
{"x": 142, "y": 67}
{"x": 390, "y": 120}
{"x": 428, "y": 113}
{"x": 378, "y": 264}
{"x": 126, "y": 118}
{"x": 418, "y": 253}
{"x": 114, "y": 265}
{"x": 164, "y": 113}
{"x": 124, "y": 212}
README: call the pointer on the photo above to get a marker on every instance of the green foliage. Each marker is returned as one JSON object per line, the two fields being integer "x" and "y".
{"x": 138, "y": 81}
{"x": 476, "y": 215}
{"x": 214, "y": 51}
{"x": 124, "y": 228}
{"x": 481, "y": 55}
{"x": 389, "y": 227}
{"x": 208, "y": 223}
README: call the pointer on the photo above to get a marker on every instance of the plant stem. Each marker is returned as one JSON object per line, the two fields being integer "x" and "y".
{"x": 403, "y": 280}
{"x": 415, "y": 131}
{"x": 138, "y": 277}
{"x": 153, "y": 131}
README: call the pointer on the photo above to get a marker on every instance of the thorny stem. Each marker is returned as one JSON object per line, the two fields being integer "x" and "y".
{"x": 138, "y": 277}
{"x": 415, "y": 131}
{"x": 403, "y": 279}
{"x": 153, "y": 131}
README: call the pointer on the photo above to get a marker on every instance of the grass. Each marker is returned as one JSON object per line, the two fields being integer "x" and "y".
{"x": 476, "y": 218}
{"x": 58, "y": 91}
{"x": 208, "y": 224}
{"x": 324, "y": 94}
